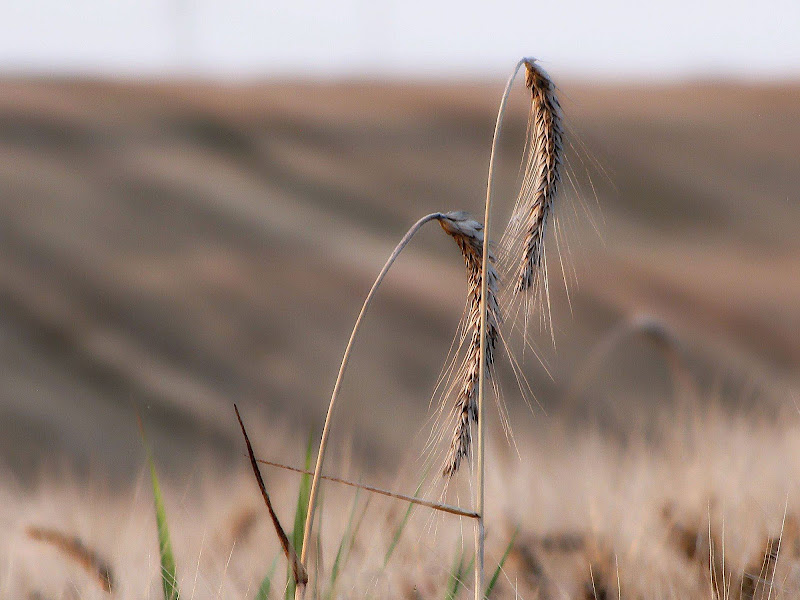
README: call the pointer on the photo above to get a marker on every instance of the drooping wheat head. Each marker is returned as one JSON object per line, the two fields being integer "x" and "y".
{"x": 468, "y": 234}
{"x": 523, "y": 241}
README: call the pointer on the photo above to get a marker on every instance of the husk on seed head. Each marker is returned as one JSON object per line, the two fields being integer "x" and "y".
{"x": 523, "y": 240}
{"x": 468, "y": 234}
{"x": 521, "y": 263}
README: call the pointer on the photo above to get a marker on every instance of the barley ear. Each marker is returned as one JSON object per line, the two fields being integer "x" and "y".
{"x": 543, "y": 161}
{"x": 468, "y": 234}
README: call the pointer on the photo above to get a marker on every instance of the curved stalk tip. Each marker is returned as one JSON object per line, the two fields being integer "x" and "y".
{"x": 312, "y": 499}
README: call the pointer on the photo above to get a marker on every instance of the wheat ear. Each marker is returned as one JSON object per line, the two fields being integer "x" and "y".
{"x": 544, "y": 158}
{"x": 468, "y": 234}
{"x": 312, "y": 499}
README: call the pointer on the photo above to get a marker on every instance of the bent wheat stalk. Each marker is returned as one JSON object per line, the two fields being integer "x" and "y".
{"x": 655, "y": 331}
{"x": 312, "y": 500}
{"x": 526, "y": 229}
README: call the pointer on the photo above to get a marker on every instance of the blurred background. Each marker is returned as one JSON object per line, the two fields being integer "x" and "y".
{"x": 196, "y": 196}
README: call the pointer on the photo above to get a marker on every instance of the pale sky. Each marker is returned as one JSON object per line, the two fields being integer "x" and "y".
{"x": 251, "y": 38}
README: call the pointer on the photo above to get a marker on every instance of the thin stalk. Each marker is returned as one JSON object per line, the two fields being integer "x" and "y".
{"x": 480, "y": 534}
{"x": 326, "y": 428}
{"x": 453, "y": 510}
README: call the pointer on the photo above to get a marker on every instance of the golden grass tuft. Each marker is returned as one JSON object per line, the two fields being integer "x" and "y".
{"x": 601, "y": 504}
{"x": 76, "y": 550}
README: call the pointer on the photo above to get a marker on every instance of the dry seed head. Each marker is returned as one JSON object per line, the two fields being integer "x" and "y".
{"x": 544, "y": 156}
{"x": 468, "y": 234}
{"x": 73, "y": 547}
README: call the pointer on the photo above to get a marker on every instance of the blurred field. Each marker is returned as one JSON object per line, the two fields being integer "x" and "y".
{"x": 178, "y": 247}
{"x": 185, "y": 246}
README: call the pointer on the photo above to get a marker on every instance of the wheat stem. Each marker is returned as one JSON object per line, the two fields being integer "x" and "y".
{"x": 447, "y": 508}
{"x": 480, "y": 534}
{"x": 300, "y": 591}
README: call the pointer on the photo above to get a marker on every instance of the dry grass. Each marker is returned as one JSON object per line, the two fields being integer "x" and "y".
{"x": 592, "y": 520}
{"x": 73, "y": 548}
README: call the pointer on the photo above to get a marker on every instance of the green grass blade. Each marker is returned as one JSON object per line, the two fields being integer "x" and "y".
{"x": 344, "y": 546}
{"x": 300, "y": 514}
{"x": 302, "y": 500}
{"x": 266, "y": 583}
{"x": 399, "y": 531}
{"x": 457, "y": 574}
{"x": 318, "y": 566}
{"x": 169, "y": 572}
{"x": 499, "y": 569}
{"x": 353, "y": 537}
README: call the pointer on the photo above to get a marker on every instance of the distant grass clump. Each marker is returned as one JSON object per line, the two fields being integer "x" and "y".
{"x": 74, "y": 548}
